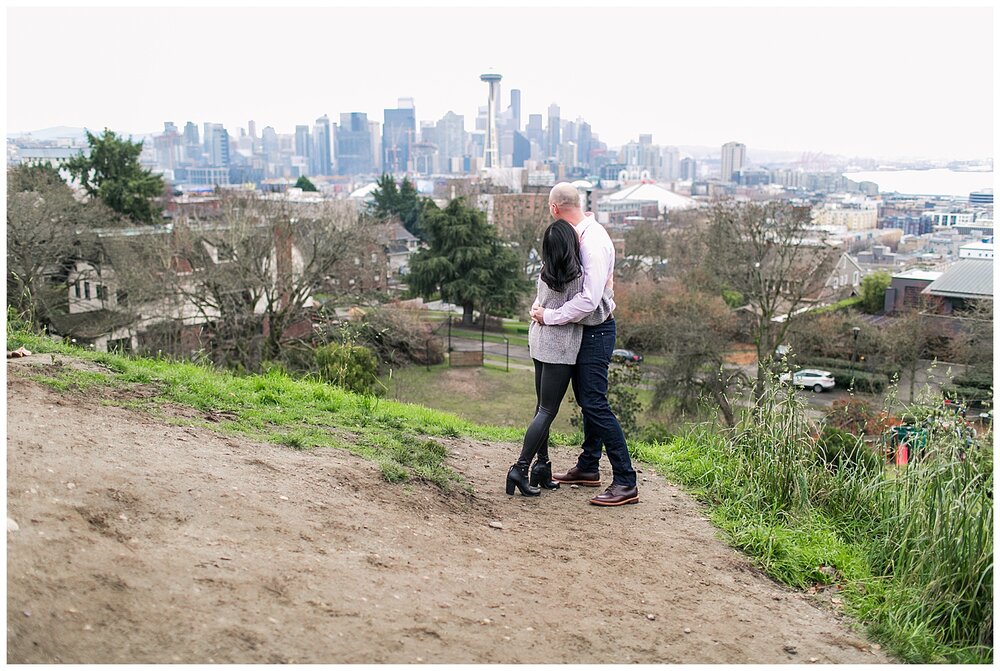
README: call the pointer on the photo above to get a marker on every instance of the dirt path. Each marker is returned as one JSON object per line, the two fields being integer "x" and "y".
{"x": 139, "y": 541}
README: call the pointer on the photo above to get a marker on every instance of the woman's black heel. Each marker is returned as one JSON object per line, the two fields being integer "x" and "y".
{"x": 541, "y": 475}
{"x": 517, "y": 476}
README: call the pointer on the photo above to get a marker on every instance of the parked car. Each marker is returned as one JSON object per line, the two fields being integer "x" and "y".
{"x": 625, "y": 356}
{"x": 811, "y": 378}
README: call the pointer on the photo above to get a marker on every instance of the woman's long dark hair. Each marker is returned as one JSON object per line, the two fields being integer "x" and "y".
{"x": 560, "y": 255}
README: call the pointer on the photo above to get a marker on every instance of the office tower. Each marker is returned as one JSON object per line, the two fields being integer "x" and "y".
{"x": 553, "y": 136}
{"x": 450, "y": 132}
{"x": 252, "y": 129}
{"x": 398, "y": 129}
{"x": 515, "y": 108}
{"x": 534, "y": 130}
{"x": 354, "y": 144}
{"x": 689, "y": 168}
{"x": 192, "y": 143}
{"x": 646, "y": 139}
{"x": 322, "y": 163}
{"x": 428, "y": 132}
{"x": 375, "y": 133}
{"x": 303, "y": 142}
{"x": 733, "y": 158}
{"x": 584, "y": 141}
{"x": 168, "y": 147}
{"x": 270, "y": 145}
{"x": 522, "y": 149}
{"x": 491, "y": 149}
{"x": 206, "y": 138}
{"x": 670, "y": 163}
{"x": 216, "y": 144}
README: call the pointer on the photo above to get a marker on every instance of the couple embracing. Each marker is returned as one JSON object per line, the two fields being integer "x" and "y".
{"x": 571, "y": 338}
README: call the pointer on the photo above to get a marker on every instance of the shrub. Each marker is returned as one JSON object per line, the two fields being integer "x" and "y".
{"x": 827, "y": 363}
{"x": 397, "y": 337}
{"x": 351, "y": 367}
{"x": 980, "y": 379}
{"x": 838, "y": 449}
{"x": 847, "y": 378}
{"x": 853, "y": 415}
{"x": 967, "y": 394}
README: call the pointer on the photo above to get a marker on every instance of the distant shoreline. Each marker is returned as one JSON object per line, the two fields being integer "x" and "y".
{"x": 927, "y": 182}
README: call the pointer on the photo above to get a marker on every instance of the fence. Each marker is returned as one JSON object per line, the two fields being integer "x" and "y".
{"x": 477, "y": 347}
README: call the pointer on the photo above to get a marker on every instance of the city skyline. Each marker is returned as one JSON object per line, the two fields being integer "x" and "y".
{"x": 790, "y": 91}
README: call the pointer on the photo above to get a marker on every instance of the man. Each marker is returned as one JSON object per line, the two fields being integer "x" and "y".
{"x": 590, "y": 375}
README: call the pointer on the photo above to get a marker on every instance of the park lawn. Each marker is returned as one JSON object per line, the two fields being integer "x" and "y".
{"x": 481, "y": 395}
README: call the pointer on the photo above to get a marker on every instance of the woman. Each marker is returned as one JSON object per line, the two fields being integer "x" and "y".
{"x": 553, "y": 350}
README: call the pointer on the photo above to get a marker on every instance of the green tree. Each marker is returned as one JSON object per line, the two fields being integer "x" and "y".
{"x": 401, "y": 201}
{"x": 303, "y": 183}
{"x": 112, "y": 173}
{"x": 873, "y": 291}
{"x": 466, "y": 263}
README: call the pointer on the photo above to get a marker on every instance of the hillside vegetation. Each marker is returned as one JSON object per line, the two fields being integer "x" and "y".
{"x": 908, "y": 550}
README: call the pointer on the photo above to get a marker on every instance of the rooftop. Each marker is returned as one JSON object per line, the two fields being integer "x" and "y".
{"x": 664, "y": 197}
{"x": 968, "y": 278}
{"x": 918, "y": 274}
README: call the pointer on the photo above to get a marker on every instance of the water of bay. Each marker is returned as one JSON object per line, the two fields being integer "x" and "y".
{"x": 937, "y": 182}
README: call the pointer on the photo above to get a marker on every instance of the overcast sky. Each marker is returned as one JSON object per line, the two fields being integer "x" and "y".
{"x": 882, "y": 82}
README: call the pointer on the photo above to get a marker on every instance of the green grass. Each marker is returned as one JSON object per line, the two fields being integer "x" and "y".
{"x": 301, "y": 414}
{"x": 482, "y": 395}
{"x": 912, "y": 548}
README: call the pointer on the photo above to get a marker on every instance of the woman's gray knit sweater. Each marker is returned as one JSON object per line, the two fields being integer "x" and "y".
{"x": 561, "y": 344}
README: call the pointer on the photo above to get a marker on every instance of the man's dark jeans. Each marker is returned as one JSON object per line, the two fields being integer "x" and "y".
{"x": 590, "y": 386}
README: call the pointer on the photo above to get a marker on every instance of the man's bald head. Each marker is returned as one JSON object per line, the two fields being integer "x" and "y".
{"x": 564, "y": 196}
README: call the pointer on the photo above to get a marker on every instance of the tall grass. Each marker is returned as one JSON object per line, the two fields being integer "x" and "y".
{"x": 911, "y": 546}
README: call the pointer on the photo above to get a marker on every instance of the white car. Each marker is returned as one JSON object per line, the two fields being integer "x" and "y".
{"x": 810, "y": 378}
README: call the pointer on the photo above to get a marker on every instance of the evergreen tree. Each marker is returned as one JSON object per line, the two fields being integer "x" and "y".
{"x": 112, "y": 173}
{"x": 401, "y": 201}
{"x": 305, "y": 184}
{"x": 466, "y": 263}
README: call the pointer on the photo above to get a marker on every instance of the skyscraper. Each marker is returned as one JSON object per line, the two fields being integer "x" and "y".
{"x": 270, "y": 145}
{"x": 216, "y": 144}
{"x": 515, "y": 108}
{"x": 398, "y": 130}
{"x": 451, "y": 136}
{"x": 522, "y": 149}
{"x": 303, "y": 142}
{"x": 553, "y": 137}
{"x": 375, "y": 133}
{"x": 535, "y": 130}
{"x": 689, "y": 168}
{"x": 321, "y": 158}
{"x": 354, "y": 144}
{"x": 733, "y": 158}
{"x": 192, "y": 143}
{"x": 670, "y": 163}
{"x": 584, "y": 141}
{"x": 252, "y": 129}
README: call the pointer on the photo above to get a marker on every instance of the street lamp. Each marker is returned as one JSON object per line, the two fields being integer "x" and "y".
{"x": 854, "y": 356}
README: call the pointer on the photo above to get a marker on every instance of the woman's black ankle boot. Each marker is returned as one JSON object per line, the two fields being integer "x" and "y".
{"x": 517, "y": 476}
{"x": 541, "y": 475}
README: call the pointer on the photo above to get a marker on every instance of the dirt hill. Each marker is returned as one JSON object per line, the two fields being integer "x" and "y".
{"x": 134, "y": 540}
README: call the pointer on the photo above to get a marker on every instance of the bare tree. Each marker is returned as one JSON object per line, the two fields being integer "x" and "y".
{"x": 695, "y": 331}
{"x": 253, "y": 270}
{"x": 525, "y": 223}
{"x": 645, "y": 243}
{"x": 759, "y": 251}
{"x": 47, "y": 228}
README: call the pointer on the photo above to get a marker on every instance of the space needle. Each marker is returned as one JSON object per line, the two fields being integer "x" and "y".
{"x": 491, "y": 153}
